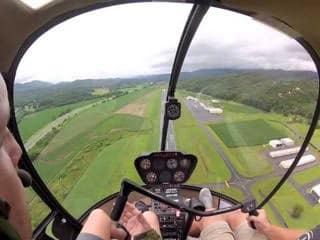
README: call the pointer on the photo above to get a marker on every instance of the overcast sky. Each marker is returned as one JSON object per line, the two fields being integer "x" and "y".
{"x": 140, "y": 39}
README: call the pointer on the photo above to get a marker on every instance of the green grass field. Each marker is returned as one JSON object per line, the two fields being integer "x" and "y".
{"x": 100, "y": 91}
{"x": 246, "y": 133}
{"x": 247, "y": 160}
{"x": 285, "y": 200}
{"x": 115, "y": 162}
{"x": 308, "y": 175}
{"x": 101, "y": 142}
{"x": 90, "y": 155}
{"x": 35, "y": 121}
{"x": 99, "y": 151}
{"x": 191, "y": 138}
{"x": 232, "y": 192}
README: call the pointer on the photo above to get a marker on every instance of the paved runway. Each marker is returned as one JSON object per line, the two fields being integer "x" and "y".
{"x": 201, "y": 114}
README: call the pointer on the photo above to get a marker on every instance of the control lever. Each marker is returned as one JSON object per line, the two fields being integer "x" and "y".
{"x": 250, "y": 206}
{"x": 118, "y": 207}
{"x": 195, "y": 204}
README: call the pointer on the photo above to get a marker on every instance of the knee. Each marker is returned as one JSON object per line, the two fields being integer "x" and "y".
{"x": 99, "y": 215}
{"x": 236, "y": 218}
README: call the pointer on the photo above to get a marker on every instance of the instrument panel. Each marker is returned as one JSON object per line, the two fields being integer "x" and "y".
{"x": 165, "y": 167}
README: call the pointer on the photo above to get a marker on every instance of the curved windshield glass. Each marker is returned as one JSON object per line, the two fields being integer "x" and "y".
{"x": 248, "y": 93}
{"x": 88, "y": 97}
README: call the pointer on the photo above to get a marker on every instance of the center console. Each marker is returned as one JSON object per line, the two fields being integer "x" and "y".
{"x": 172, "y": 221}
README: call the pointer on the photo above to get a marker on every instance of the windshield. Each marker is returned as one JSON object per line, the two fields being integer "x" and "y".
{"x": 90, "y": 95}
{"x": 248, "y": 93}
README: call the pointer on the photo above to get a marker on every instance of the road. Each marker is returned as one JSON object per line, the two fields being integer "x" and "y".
{"x": 204, "y": 116}
{"x": 48, "y": 128}
{"x": 237, "y": 180}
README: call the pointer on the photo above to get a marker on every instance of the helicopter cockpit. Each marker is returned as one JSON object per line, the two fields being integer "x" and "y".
{"x": 149, "y": 102}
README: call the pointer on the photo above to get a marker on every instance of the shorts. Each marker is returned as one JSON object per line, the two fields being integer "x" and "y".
{"x": 221, "y": 231}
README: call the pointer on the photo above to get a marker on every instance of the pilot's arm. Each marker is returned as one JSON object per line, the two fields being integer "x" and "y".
{"x": 273, "y": 232}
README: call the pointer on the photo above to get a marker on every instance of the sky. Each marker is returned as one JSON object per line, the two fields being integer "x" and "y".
{"x": 140, "y": 39}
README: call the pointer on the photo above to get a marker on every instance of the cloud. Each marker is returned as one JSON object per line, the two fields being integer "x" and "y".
{"x": 139, "y": 39}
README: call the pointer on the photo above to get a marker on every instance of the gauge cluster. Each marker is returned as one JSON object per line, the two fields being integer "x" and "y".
{"x": 165, "y": 167}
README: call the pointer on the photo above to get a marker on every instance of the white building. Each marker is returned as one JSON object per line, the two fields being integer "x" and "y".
{"x": 190, "y": 98}
{"x": 287, "y": 142}
{"x": 215, "y": 101}
{"x": 303, "y": 160}
{"x": 215, "y": 110}
{"x": 316, "y": 192}
{"x": 275, "y": 143}
{"x": 284, "y": 152}
{"x": 203, "y": 105}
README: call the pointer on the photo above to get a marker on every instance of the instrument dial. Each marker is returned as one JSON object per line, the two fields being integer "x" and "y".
{"x": 185, "y": 163}
{"x": 145, "y": 164}
{"x": 172, "y": 163}
{"x": 152, "y": 177}
{"x": 179, "y": 176}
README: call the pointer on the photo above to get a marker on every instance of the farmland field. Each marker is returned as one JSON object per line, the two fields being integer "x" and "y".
{"x": 96, "y": 148}
{"x": 87, "y": 146}
{"x": 247, "y": 133}
{"x": 35, "y": 121}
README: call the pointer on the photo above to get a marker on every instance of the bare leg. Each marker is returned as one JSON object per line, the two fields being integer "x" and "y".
{"x": 239, "y": 225}
{"x": 98, "y": 223}
{"x": 236, "y": 218}
{"x": 215, "y": 228}
{"x": 195, "y": 229}
{"x": 205, "y": 221}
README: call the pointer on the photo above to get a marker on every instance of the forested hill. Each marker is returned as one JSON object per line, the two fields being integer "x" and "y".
{"x": 270, "y": 90}
{"x": 286, "y": 92}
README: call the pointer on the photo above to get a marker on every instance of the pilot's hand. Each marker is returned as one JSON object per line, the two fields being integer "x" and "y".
{"x": 133, "y": 220}
{"x": 261, "y": 221}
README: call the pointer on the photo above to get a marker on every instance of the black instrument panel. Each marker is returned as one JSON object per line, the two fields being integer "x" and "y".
{"x": 165, "y": 167}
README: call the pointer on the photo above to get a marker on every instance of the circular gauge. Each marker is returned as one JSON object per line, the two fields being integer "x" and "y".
{"x": 172, "y": 163}
{"x": 145, "y": 164}
{"x": 185, "y": 163}
{"x": 151, "y": 177}
{"x": 165, "y": 177}
{"x": 179, "y": 176}
{"x": 173, "y": 111}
